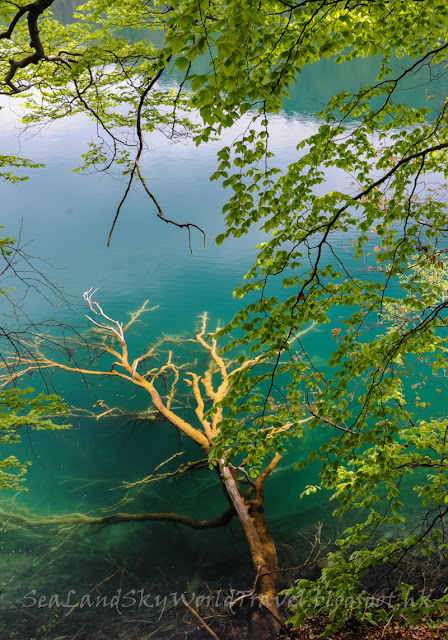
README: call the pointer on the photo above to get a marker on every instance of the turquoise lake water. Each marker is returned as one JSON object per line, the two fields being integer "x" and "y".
{"x": 65, "y": 218}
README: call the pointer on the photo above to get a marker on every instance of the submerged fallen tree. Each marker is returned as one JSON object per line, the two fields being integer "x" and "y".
{"x": 159, "y": 373}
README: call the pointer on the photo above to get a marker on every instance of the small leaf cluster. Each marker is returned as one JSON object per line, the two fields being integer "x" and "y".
{"x": 20, "y": 411}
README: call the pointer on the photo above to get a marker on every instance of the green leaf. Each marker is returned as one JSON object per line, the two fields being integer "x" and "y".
{"x": 182, "y": 63}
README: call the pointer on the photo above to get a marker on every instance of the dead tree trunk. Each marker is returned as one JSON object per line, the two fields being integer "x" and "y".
{"x": 247, "y": 502}
{"x": 265, "y": 619}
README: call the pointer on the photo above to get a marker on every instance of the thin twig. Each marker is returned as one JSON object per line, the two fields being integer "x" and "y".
{"x": 201, "y": 620}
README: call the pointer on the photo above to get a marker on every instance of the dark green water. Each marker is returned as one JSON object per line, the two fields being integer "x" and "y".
{"x": 66, "y": 218}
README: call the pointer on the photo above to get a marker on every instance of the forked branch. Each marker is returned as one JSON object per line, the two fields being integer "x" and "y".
{"x": 34, "y": 11}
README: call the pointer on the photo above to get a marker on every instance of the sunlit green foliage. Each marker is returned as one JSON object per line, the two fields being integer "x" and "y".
{"x": 14, "y": 161}
{"x": 20, "y": 412}
{"x": 385, "y": 300}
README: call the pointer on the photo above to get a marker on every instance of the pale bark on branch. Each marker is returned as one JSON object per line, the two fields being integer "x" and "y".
{"x": 209, "y": 389}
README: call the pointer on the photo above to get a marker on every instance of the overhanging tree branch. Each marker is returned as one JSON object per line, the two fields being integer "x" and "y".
{"x": 34, "y": 11}
{"x": 137, "y": 169}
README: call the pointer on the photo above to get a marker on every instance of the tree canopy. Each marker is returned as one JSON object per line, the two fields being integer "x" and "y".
{"x": 226, "y": 62}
